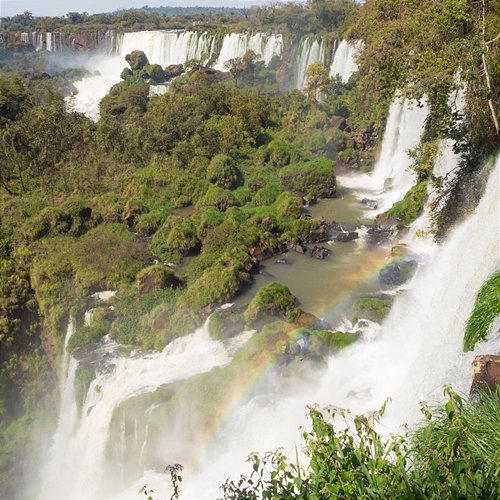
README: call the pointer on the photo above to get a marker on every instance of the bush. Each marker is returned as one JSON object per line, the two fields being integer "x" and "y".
{"x": 267, "y": 195}
{"x": 454, "y": 455}
{"x": 95, "y": 331}
{"x": 486, "y": 309}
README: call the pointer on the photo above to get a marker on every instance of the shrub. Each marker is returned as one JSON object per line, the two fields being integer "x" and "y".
{"x": 325, "y": 342}
{"x": 267, "y": 195}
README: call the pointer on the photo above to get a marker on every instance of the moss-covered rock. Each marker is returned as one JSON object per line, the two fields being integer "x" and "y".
{"x": 326, "y": 342}
{"x": 217, "y": 197}
{"x": 288, "y": 205}
{"x": 176, "y": 238}
{"x": 374, "y": 308}
{"x": 226, "y": 323}
{"x": 137, "y": 59}
{"x": 223, "y": 172}
{"x": 410, "y": 207}
{"x": 398, "y": 272}
{"x": 272, "y": 300}
{"x": 155, "y": 278}
{"x": 310, "y": 178}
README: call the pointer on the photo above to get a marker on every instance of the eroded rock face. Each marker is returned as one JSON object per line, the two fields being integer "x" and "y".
{"x": 485, "y": 373}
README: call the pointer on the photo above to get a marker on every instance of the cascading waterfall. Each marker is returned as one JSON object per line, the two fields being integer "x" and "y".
{"x": 392, "y": 177}
{"x": 310, "y": 51}
{"x": 164, "y": 48}
{"x": 344, "y": 63}
{"x": 167, "y": 47}
{"x": 48, "y": 41}
{"x": 235, "y": 45}
{"x": 81, "y": 466}
{"x": 67, "y": 415}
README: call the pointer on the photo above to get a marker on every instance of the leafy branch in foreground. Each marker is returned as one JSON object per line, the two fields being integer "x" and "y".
{"x": 455, "y": 454}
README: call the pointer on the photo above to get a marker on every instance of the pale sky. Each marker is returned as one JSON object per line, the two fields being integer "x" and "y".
{"x": 61, "y": 7}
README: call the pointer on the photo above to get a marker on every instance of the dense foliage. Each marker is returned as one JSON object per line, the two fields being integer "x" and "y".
{"x": 455, "y": 454}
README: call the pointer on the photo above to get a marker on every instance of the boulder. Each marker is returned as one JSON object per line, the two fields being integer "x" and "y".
{"x": 282, "y": 260}
{"x": 297, "y": 247}
{"x": 397, "y": 273}
{"x": 137, "y": 59}
{"x": 346, "y": 236}
{"x": 156, "y": 277}
{"x": 373, "y": 204}
{"x": 320, "y": 252}
{"x": 485, "y": 374}
{"x": 318, "y": 235}
{"x": 173, "y": 71}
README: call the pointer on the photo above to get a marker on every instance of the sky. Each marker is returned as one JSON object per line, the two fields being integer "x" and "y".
{"x": 61, "y": 7}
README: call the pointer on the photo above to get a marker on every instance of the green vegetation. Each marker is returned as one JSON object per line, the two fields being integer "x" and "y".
{"x": 455, "y": 454}
{"x": 411, "y": 206}
{"x": 325, "y": 342}
{"x": 372, "y": 308}
{"x": 272, "y": 299}
{"x": 486, "y": 310}
{"x": 312, "y": 178}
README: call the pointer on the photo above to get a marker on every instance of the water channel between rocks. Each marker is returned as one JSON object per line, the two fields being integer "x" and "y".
{"x": 327, "y": 288}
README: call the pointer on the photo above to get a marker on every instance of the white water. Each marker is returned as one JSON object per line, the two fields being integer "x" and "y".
{"x": 392, "y": 177}
{"x": 80, "y": 465}
{"x": 310, "y": 51}
{"x": 167, "y": 47}
{"x": 67, "y": 417}
{"x": 344, "y": 60}
{"x": 235, "y": 45}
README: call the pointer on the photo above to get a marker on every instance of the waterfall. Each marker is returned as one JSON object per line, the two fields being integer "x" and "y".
{"x": 392, "y": 177}
{"x": 235, "y": 45}
{"x": 344, "y": 64}
{"x": 67, "y": 416}
{"x": 168, "y": 47}
{"x": 48, "y": 41}
{"x": 81, "y": 465}
{"x": 25, "y": 37}
{"x": 309, "y": 51}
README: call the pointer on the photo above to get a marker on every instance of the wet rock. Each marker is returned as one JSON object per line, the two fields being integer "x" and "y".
{"x": 399, "y": 250}
{"x": 346, "y": 236}
{"x": 308, "y": 320}
{"x": 297, "y": 247}
{"x": 397, "y": 273}
{"x": 485, "y": 374}
{"x": 226, "y": 323}
{"x": 318, "y": 235}
{"x": 282, "y": 260}
{"x": 320, "y": 252}
{"x": 309, "y": 200}
{"x": 373, "y": 204}
{"x": 173, "y": 71}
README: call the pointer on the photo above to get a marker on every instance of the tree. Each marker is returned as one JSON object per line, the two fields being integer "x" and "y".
{"x": 316, "y": 80}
